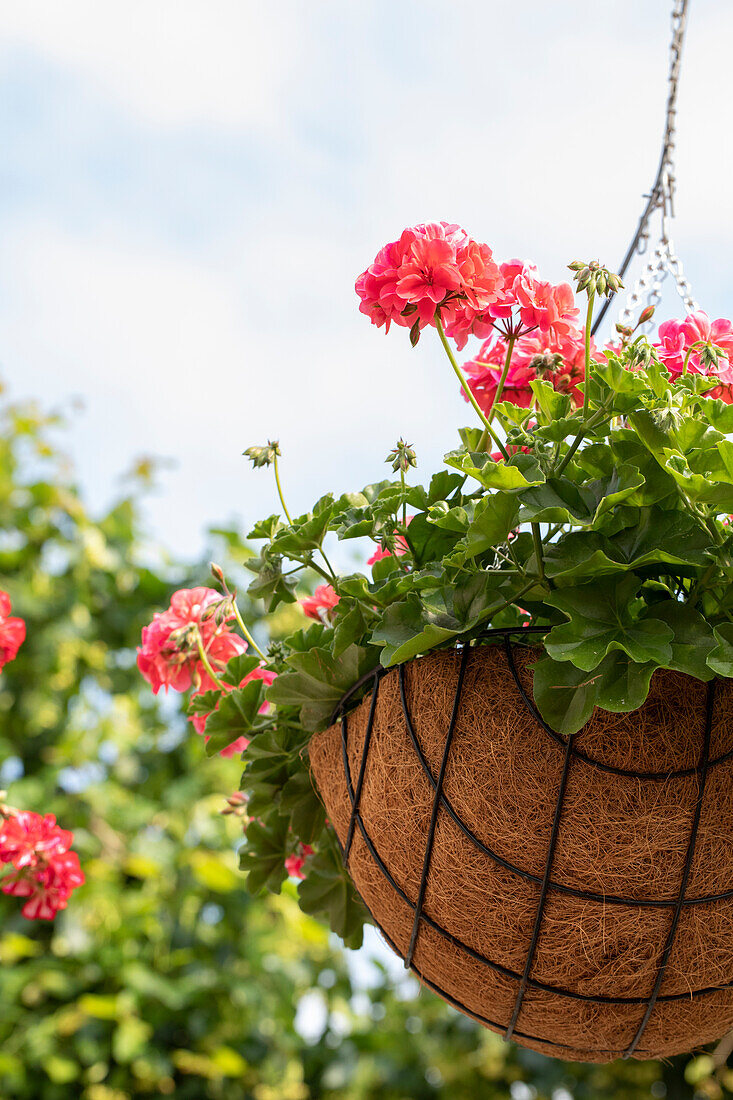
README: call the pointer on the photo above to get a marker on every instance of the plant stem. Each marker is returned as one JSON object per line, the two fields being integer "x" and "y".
{"x": 404, "y": 502}
{"x": 328, "y": 564}
{"x": 465, "y": 386}
{"x": 690, "y": 350}
{"x": 537, "y": 539}
{"x": 245, "y": 631}
{"x": 595, "y": 419}
{"x": 588, "y": 326}
{"x": 280, "y": 491}
{"x": 206, "y": 663}
{"x": 500, "y": 388}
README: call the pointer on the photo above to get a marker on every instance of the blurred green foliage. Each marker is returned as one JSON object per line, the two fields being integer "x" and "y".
{"x": 163, "y": 977}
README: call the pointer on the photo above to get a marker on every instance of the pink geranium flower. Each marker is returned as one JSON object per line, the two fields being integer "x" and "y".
{"x": 12, "y": 631}
{"x": 678, "y": 338}
{"x": 47, "y": 889}
{"x": 558, "y": 360}
{"x": 433, "y": 265}
{"x": 45, "y": 871}
{"x": 294, "y": 863}
{"x": 27, "y": 839}
{"x": 169, "y": 654}
{"x": 238, "y": 746}
{"x": 321, "y": 603}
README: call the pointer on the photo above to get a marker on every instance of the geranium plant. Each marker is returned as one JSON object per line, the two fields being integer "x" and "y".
{"x": 590, "y": 500}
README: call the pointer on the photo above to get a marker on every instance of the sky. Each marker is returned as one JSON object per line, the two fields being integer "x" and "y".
{"x": 188, "y": 189}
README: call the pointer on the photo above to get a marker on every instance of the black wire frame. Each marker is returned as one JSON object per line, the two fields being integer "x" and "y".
{"x": 440, "y": 801}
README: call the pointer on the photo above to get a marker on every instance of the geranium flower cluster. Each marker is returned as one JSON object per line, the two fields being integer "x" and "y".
{"x": 560, "y": 361}
{"x": 436, "y": 270}
{"x": 689, "y": 346}
{"x": 320, "y": 605}
{"x": 181, "y": 641}
{"x": 44, "y": 870}
{"x": 189, "y": 645}
{"x": 12, "y": 631}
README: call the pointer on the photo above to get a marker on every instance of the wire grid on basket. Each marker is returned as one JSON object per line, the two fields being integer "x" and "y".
{"x": 545, "y": 882}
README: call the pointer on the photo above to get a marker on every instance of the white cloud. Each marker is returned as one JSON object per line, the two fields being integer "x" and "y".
{"x": 171, "y": 62}
{"x": 536, "y": 126}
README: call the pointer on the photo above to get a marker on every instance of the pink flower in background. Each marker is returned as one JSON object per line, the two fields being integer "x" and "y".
{"x": 45, "y": 871}
{"x": 48, "y": 888}
{"x": 560, "y": 361}
{"x": 294, "y": 863}
{"x": 169, "y": 656}
{"x": 381, "y": 552}
{"x": 238, "y": 746}
{"x": 12, "y": 631}
{"x": 320, "y": 604}
{"x": 27, "y": 838}
{"x": 676, "y": 338}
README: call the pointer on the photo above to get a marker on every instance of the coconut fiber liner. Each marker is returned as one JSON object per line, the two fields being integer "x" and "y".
{"x": 575, "y": 895}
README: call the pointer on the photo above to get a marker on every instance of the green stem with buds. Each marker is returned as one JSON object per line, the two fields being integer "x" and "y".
{"x": 206, "y": 662}
{"x": 465, "y": 386}
{"x": 697, "y": 344}
{"x": 280, "y": 491}
{"x": 588, "y": 326}
{"x": 242, "y": 626}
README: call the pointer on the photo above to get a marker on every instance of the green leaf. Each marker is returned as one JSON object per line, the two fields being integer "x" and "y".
{"x": 316, "y": 680}
{"x": 693, "y": 640}
{"x": 349, "y": 626}
{"x": 237, "y": 668}
{"x": 720, "y": 659}
{"x": 263, "y": 857}
{"x": 519, "y": 472}
{"x": 659, "y": 538}
{"x": 420, "y": 623}
{"x": 327, "y": 892}
{"x": 270, "y": 585}
{"x": 493, "y": 518}
{"x": 566, "y": 695}
{"x": 601, "y": 620}
{"x": 235, "y": 717}
{"x": 299, "y": 799}
{"x": 265, "y": 528}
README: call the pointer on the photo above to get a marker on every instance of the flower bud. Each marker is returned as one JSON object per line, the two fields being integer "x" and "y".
{"x": 263, "y": 456}
{"x": 646, "y": 315}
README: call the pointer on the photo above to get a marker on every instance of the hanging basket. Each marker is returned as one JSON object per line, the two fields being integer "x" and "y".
{"x": 574, "y": 895}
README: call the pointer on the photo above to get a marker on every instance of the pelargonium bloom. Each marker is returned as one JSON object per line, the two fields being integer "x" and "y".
{"x": 238, "y": 746}
{"x": 169, "y": 654}
{"x": 45, "y": 871}
{"x": 321, "y": 603}
{"x": 559, "y": 361}
{"x": 27, "y": 839}
{"x": 677, "y": 338}
{"x": 294, "y": 863}
{"x": 12, "y": 631}
{"x": 435, "y": 264}
{"x": 524, "y": 304}
{"x": 48, "y": 888}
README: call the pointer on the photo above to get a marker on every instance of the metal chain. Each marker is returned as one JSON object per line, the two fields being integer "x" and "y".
{"x": 664, "y": 260}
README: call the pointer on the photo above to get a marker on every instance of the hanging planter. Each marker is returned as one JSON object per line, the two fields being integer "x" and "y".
{"x": 575, "y": 894}
{"x": 506, "y": 742}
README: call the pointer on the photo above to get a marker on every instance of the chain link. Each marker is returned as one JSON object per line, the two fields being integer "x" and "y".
{"x": 647, "y": 290}
{"x": 664, "y": 260}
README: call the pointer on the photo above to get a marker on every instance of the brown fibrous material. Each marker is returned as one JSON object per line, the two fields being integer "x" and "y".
{"x": 620, "y": 837}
